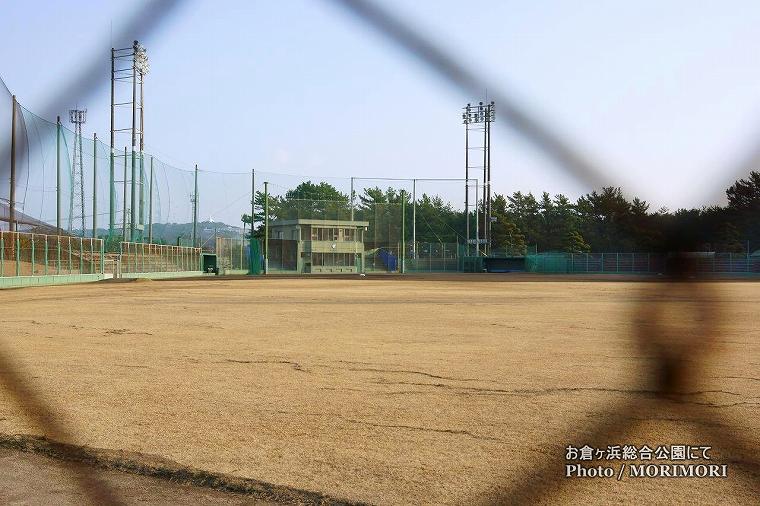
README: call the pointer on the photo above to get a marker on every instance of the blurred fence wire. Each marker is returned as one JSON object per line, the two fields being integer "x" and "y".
{"x": 672, "y": 375}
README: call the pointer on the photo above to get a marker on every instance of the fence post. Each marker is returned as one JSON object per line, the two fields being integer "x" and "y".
{"x": 92, "y": 256}
{"x": 31, "y": 237}
{"x": 142, "y": 253}
{"x": 403, "y": 230}
{"x": 46, "y": 255}
{"x": 81, "y": 256}
{"x": 18, "y": 255}
{"x": 58, "y": 176}
{"x": 58, "y": 255}
{"x": 102, "y": 257}
{"x": 71, "y": 266}
{"x": 266, "y": 227}
{"x": 94, "y": 188}
{"x": 2, "y": 254}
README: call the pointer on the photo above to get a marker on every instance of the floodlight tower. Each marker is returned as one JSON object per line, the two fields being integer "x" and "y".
{"x": 473, "y": 117}
{"x": 78, "y": 117}
{"x": 130, "y": 66}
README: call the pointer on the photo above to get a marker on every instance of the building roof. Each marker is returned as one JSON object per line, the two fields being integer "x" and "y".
{"x": 333, "y": 223}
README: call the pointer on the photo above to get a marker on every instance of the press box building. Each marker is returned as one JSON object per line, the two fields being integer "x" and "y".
{"x": 316, "y": 246}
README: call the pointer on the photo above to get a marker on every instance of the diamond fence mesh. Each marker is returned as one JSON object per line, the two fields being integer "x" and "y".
{"x": 232, "y": 253}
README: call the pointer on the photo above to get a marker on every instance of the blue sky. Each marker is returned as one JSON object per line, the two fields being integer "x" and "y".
{"x": 666, "y": 94}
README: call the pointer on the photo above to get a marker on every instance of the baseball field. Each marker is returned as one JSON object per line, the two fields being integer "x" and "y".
{"x": 444, "y": 390}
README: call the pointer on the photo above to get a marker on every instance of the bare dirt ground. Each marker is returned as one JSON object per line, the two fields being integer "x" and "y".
{"x": 385, "y": 390}
{"x": 28, "y": 478}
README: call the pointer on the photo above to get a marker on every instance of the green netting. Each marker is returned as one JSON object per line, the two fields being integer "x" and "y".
{"x": 596, "y": 263}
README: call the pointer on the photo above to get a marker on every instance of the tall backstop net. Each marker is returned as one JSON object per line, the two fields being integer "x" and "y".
{"x": 77, "y": 186}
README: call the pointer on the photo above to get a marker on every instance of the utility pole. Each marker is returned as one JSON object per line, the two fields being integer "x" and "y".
{"x": 403, "y": 229}
{"x": 414, "y": 218}
{"x": 112, "y": 183}
{"x": 253, "y": 198}
{"x": 141, "y": 198}
{"x": 352, "y": 198}
{"x": 150, "y": 204}
{"x": 58, "y": 175}
{"x": 124, "y": 201}
{"x": 94, "y": 185}
{"x": 12, "y": 226}
{"x": 195, "y": 209}
{"x": 266, "y": 227}
{"x": 477, "y": 222}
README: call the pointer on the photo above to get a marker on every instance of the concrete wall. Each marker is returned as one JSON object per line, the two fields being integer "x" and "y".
{"x": 63, "y": 279}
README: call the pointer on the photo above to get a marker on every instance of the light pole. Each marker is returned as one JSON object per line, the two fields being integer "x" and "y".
{"x": 78, "y": 117}
{"x": 129, "y": 65}
{"x": 481, "y": 114}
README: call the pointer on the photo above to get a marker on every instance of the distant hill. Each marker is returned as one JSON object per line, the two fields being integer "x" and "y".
{"x": 207, "y": 230}
{"x": 170, "y": 233}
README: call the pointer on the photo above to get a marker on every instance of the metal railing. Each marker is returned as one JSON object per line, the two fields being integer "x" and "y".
{"x": 145, "y": 258}
{"x": 26, "y": 254}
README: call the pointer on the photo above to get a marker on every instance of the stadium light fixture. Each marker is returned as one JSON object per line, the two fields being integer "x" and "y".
{"x": 141, "y": 58}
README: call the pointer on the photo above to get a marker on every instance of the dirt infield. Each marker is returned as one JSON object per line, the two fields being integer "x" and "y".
{"x": 379, "y": 390}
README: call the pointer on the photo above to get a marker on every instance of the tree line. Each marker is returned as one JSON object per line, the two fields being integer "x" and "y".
{"x": 602, "y": 221}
